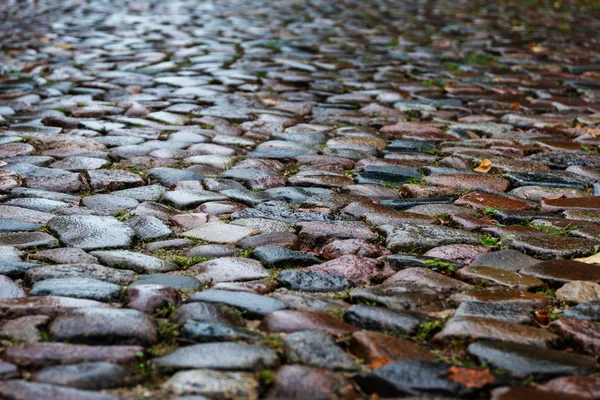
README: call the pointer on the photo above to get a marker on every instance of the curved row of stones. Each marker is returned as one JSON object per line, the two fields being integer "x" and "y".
{"x": 299, "y": 200}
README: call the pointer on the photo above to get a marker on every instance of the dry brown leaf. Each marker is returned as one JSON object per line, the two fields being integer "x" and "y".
{"x": 595, "y": 259}
{"x": 379, "y": 362}
{"x": 484, "y": 166}
{"x": 471, "y": 378}
{"x": 64, "y": 46}
{"x": 515, "y": 106}
{"x": 591, "y": 131}
{"x": 270, "y": 102}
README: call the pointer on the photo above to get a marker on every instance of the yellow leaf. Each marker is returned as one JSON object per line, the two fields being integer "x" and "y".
{"x": 595, "y": 259}
{"x": 64, "y": 46}
{"x": 270, "y": 102}
{"x": 485, "y": 166}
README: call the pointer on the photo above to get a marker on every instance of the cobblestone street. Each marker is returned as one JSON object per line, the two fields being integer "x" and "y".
{"x": 346, "y": 200}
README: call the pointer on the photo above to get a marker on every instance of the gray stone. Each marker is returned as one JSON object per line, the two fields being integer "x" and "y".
{"x": 317, "y": 349}
{"x": 213, "y": 384}
{"x": 309, "y": 281}
{"x": 91, "y": 232}
{"x": 92, "y": 271}
{"x": 229, "y": 269}
{"x": 137, "y": 262}
{"x": 252, "y": 305}
{"x": 81, "y": 288}
{"x": 91, "y": 376}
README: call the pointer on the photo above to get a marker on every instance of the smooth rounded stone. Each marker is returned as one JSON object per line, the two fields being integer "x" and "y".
{"x": 64, "y": 256}
{"x": 400, "y": 296}
{"x": 461, "y": 253}
{"x": 502, "y": 295}
{"x": 481, "y": 201}
{"x": 583, "y": 335}
{"x": 307, "y": 302}
{"x": 588, "y": 311}
{"x": 298, "y": 382}
{"x": 212, "y": 250}
{"x": 47, "y": 305}
{"x": 226, "y": 356}
{"x": 91, "y": 376}
{"x": 317, "y": 349}
{"x": 523, "y": 360}
{"x": 169, "y": 244}
{"x": 573, "y": 203}
{"x": 275, "y": 239}
{"x": 539, "y": 193}
{"x": 144, "y": 193}
{"x": 508, "y": 260}
{"x": 92, "y": 271}
{"x": 279, "y": 256}
{"x": 220, "y": 207}
{"x": 111, "y": 180}
{"x": 79, "y": 164}
{"x": 477, "y": 328}
{"x": 403, "y": 378}
{"x": 10, "y": 289}
{"x": 263, "y": 225}
{"x": 8, "y": 371}
{"x": 309, "y": 281}
{"x": 214, "y": 384}
{"x": 508, "y": 312}
{"x": 488, "y": 276}
{"x": 26, "y": 329}
{"x": 184, "y": 199}
{"x": 104, "y": 326}
{"x": 149, "y": 228}
{"x": 322, "y": 232}
{"x": 550, "y": 247}
{"x": 178, "y": 282}
{"x": 170, "y": 176}
{"x": 372, "y": 347}
{"x": 91, "y": 232}
{"x": 192, "y": 220}
{"x": 203, "y": 332}
{"x": 558, "y": 272}
{"x": 359, "y": 247}
{"x": 356, "y": 269}
{"x": 80, "y": 288}
{"x": 11, "y": 225}
{"x": 137, "y": 262}
{"x": 148, "y": 298}
{"x": 576, "y": 292}
{"x": 27, "y": 240}
{"x": 43, "y": 194}
{"x": 523, "y": 393}
{"x": 468, "y": 181}
{"x": 109, "y": 203}
{"x": 587, "y": 386}
{"x": 433, "y": 210}
{"x": 215, "y": 314}
{"x": 405, "y": 236}
{"x": 384, "y": 319}
{"x": 24, "y": 215}
{"x": 217, "y": 232}
{"x": 373, "y": 192}
{"x": 229, "y": 269}
{"x": 43, "y": 205}
{"x": 287, "y": 321}
{"x": 425, "y": 277}
{"x": 24, "y": 390}
{"x": 68, "y": 183}
{"x": 555, "y": 179}
{"x": 247, "y": 197}
{"x": 253, "y": 306}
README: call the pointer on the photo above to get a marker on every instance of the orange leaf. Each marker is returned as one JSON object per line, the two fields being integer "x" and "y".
{"x": 485, "y": 166}
{"x": 471, "y": 378}
{"x": 379, "y": 362}
{"x": 515, "y": 106}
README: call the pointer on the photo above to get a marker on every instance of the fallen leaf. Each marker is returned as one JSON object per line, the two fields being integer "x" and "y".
{"x": 591, "y": 131}
{"x": 595, "y": 259}
{"x": 64, "y": 46}
{"x": 485, "y": 166}
{"x": 270, "y": 102}
{"x": 379, "y": 362}
{"x": 471, "y": 378}
{"x": 515, "y": 106}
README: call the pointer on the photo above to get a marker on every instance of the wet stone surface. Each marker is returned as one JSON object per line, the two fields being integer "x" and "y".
{"x": 335, "y": 200}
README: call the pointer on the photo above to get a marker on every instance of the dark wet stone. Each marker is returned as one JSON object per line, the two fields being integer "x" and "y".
{"x": 559, "y": 272}
{"x": 372, "y": 347}
{"x": 26, "y": 240}
{"x": 220, "y": 356}
{"x": 91, "y": 232}
{"x": 80, "y": 288}
{"x": 287, "y": 321}
{"x": 359, "y": 247}
{"x": 11, "y": 225}
{"x": 44, "y": 354}
{"x": 427, "y": 278}
{"x": 550, "y": 247}
{"x": 508, "y": 312}
{"x": 296, "y": 382}
{"x": 522, "y": 393}
{"x": 253, "y": 306}
{"x": 308, "y": 281}
{"x": 508, "y": 260}
{"x": 399, "y": 296}
{"x": 557, "y": 179}
{"x": 104, "y": 326}
{"x": 384, "y": 319}
{"x": 502, "y": 295}
{"x": 179, "y": 282}
{"x": 488, "y": 276}
{"x": 203, "y": 332}
{"x": 382, "y": 175}
{"x": 524, "y": 360}
{"x": 215, "y": 314}
{"x": 404, "y": 261}
{"x": 272, "y": 239}
{"x": 584, "y": 335}
{"x": 309, "y": 302}
{"x": 411, "y": 378}
{"x": 403, "y": 204}
{"x": 90, "y": 376}
{"x": 93, "y": 271}
{"x": 317, "y": 349}
{"x": 280, "y": 256}
{"x": 468, "y": 181}
{"x": 22, "y": 390}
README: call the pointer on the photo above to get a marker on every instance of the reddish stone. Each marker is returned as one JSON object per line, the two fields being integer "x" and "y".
{"x": 192, "y": 220}
{"x": 9, "y": 180}
{"x": 9, "y": 150}
{"x": 584, "y": 334}
{"x": 8, "y": 371}
{"x": 529, "y": 393}
{"x": 358, "y": 270}
{"x": 288, "y": 321}
{"x": 480, "y": 201}
{"x": 359, "y": 247}
{"x": 373, "y": 347}
{"x": 471, "y": 223}
{"x": 220, "y": 207}
{"x": 44, "y": 305}
{"x": 468, "y": 181}
{"x": 462, "y": 253}
{"x": 503, "y": 295}
{"x": 585, "y": 386}
{"x": 299, "y": 382}
{"x": 429, "y": 279}
{"x": 573, "y": 203}
{"x": 148, "y": 298}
